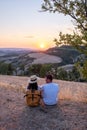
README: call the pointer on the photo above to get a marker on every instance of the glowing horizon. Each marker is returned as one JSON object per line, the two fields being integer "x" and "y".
{"x": 23, "y": 26}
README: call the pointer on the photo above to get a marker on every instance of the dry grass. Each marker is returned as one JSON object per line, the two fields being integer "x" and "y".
{"x": 73, "y": 91}
{"x": 68, "y": 90}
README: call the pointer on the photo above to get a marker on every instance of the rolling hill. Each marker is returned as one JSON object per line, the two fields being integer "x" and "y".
{"x": 67, "y": 53}
{"x": 22, "y": 59}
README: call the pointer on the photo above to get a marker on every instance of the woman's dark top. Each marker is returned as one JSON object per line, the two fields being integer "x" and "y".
{"x": 32, "y": 86}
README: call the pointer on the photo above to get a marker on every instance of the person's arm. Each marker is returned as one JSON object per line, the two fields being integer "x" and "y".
{"x": 41, "y": 99}
{"x": 28, "y": 87}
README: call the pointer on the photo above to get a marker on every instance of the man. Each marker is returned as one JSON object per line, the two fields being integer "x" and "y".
{"x": 49, "y": 92}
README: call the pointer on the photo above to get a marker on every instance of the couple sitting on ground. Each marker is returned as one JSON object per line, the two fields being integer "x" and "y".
{"x": 48, "y": 93}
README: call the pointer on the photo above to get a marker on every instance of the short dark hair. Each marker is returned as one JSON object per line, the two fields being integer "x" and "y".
{"x": 49, "y": 76}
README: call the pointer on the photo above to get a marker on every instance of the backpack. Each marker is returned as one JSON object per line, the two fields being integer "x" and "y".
{"x": 33, "y": 97}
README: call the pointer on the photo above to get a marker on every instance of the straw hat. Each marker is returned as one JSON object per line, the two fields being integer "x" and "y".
{"x": 33, "y": 79}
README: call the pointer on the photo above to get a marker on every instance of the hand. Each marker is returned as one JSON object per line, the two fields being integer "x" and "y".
{"x": 42, "y": 103}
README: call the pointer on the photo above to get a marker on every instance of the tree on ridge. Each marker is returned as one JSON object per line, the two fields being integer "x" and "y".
{"x": 77, "y": 10}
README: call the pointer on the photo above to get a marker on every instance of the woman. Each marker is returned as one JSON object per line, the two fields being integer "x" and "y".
{"x": 33, "y": 94}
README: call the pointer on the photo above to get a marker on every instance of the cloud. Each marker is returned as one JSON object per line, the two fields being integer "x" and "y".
{"x": 29, "y": 36}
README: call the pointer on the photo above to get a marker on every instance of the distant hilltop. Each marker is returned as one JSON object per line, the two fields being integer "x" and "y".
{"x": 66, "y": 52}
{"x": 9, "y": 50}
{"x": 64, "y": 55}
{"x": 19, "y": 61}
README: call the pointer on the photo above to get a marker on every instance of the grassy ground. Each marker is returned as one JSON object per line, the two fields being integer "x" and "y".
{"x": 15, "y": 115}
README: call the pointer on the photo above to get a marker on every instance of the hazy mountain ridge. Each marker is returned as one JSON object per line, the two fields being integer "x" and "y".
{"x": 21, "y": 59}
{"x": 12, "y": 55}
{"x": 67, "y": 53}
{"x": 24, "y": 56}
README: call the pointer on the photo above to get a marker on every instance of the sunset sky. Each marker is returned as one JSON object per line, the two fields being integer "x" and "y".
{"x": 22, "y": 25}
